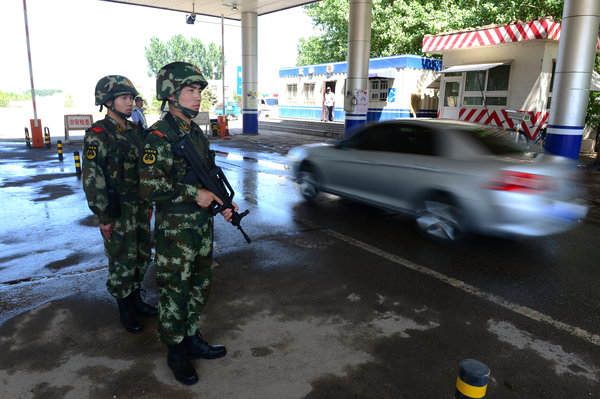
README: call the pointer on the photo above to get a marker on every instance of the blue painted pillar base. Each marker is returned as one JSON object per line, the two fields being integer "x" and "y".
{"x": 353, "y": 122}
{"x": 250, "y": 122}
{"x": 566, "y": 145}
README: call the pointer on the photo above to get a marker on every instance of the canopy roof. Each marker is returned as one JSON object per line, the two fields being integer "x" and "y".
{"x": 231, "y": 9}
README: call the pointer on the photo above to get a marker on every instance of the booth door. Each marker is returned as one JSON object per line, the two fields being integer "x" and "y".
{"x": 451, "y": 94}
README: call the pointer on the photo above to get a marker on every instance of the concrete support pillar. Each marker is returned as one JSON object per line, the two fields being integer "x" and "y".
{"x": 571, "y": 90}
{"x": 250, "y": 72}
{"x": 359, "y": 47}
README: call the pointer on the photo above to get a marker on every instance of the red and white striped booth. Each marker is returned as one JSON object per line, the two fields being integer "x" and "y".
{"x": 530, "y": 48}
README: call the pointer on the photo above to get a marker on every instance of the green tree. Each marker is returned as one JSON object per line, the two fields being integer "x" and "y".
{"x": 178, "y": 48}
{"x": 399, "y": 25}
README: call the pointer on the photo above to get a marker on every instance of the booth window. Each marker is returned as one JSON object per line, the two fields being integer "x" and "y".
{"x": 379, "y": 89}
{"x": 491, "y": 83}
{"x": 292, "y": 90}
{"x": 309, "y": 91}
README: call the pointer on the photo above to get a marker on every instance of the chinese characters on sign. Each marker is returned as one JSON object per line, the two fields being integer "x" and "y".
{"x": 77, "y": 122}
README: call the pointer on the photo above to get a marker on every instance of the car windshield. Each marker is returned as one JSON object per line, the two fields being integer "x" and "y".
{"x": 496, "y": 141}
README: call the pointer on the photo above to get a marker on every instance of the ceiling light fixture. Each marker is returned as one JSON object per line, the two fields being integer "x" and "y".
{"x": 190, "y": 19}
{"x": 232, "y": 5}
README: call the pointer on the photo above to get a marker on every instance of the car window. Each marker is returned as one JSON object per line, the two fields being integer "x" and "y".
{"x": 374, "y": 138}
{"x": 495, "y": 141}
{"x": 416, "y": 140}
{"x": 405, "y": 139}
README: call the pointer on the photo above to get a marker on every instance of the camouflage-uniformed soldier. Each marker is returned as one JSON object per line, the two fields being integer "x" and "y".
{"x": 112, "y": 148}
{"x": 184, "y": 225}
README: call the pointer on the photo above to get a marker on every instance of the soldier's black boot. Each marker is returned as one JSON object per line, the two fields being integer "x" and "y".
{"x": 127, "y": 315}
{"x": 198, "y": 348}
{"x": 180, "y": 364}
{"x": 141, "y": 307}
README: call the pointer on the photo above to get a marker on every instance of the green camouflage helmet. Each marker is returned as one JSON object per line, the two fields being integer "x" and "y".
{"x": 112, "y": 86}
{"x": 174, "y": 76}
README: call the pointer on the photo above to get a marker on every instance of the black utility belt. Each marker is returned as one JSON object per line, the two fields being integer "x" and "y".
{"x": 184, "y": 207}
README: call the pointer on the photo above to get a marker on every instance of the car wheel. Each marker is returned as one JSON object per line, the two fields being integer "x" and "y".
{"x": 441, "y": 219}
{"x": 308, "y": 182}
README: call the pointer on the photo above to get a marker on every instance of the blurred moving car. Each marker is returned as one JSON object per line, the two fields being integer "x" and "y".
{"x": 268, "y": 107}
{"x": 453, "y": 177}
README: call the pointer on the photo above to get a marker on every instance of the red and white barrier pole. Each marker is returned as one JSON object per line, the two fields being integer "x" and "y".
{"x": 36, "y": 124}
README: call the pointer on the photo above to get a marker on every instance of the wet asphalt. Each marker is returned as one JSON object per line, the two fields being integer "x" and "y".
{"x": 301, "y": 312}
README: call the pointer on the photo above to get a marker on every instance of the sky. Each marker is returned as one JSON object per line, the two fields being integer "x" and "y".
{"x": 76, "y": 42}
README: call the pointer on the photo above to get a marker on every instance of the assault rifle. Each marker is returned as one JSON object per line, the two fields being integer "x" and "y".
{"x": 212, "y": 179}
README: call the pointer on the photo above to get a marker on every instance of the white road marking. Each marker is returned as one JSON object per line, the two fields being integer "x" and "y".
{"x": 522, "y": 310}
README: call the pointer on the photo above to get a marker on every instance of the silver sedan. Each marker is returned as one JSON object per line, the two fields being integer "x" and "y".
{"x": 454, "y": 177}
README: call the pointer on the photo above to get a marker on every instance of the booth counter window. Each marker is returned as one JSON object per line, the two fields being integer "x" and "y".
{"x": 483, "y": 81}
{"x": 491, "y": 84}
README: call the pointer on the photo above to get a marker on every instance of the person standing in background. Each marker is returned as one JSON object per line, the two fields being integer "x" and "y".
{"x": 329, "y": 103}
{"x": 137, "y": 114}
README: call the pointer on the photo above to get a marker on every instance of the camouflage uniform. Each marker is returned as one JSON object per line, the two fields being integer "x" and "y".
{"x": 184, "y": 231}
{"x": 110, "y": 161}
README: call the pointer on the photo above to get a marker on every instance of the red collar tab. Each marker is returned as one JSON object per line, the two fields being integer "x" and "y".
{"x": 97, "y": 129}
{"x": 159, "y": 134}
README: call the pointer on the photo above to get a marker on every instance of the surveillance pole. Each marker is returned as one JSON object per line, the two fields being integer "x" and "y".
{"x": 223, "y": 62}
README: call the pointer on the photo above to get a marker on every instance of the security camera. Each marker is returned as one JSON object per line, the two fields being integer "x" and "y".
{"x": 191, "y": 18}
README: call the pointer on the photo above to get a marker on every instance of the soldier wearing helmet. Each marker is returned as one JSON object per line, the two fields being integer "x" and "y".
{"x": 184, "y": 225}
{"x": 112, "y": 148}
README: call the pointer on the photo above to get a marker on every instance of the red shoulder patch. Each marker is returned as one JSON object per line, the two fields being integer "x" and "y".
{"x": 97, "y": 129}
{"x": 159, "y": 134}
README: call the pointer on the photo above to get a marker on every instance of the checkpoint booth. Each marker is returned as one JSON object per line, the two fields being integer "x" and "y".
{"x": 398, "y": 88}
{"x": 499, "y": 75}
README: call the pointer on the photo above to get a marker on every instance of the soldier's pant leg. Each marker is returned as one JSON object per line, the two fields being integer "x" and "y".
{"x": 183, "y": 277}
{"x": 201, "y": 279}
{"x": 122, "y": 253}
{"x": 144, "y": 242}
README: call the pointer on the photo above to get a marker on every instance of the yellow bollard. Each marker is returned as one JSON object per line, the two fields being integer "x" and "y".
{"x": 472, "y": 380}
{"x": 60, "y": 150}
{"x": 27, "y": 138}
{"x": 47, "y": 137}
{"x": 77, "y": 163}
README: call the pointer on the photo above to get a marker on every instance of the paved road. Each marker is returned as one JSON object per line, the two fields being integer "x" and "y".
{"x": 333, "y": 300}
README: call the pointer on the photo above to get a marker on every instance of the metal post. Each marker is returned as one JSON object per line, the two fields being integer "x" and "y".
{"x": 30, "y": 64}
{"x": 571, "y": 90}
{"x": 223, "y": 63}
{"x": 359, "y": 47}
{"x": 250, "y": 72}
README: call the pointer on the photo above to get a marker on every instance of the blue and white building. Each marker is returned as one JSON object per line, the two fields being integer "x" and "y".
{"x": 401, "y": 86}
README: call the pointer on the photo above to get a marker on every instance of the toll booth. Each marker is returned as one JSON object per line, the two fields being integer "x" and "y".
{"x": 492, "y": 73}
